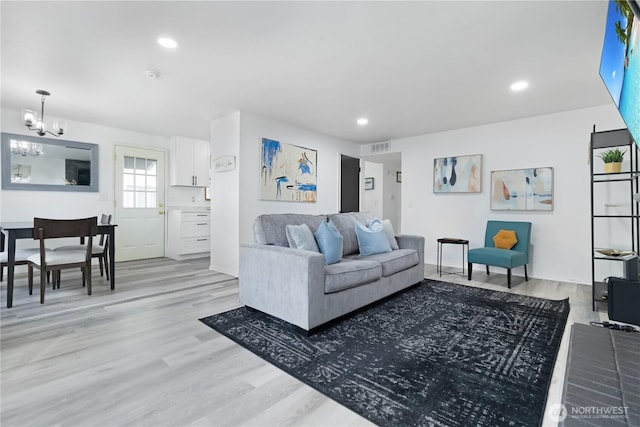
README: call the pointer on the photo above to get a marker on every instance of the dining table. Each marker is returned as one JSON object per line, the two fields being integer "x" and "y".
{"x": 24, "y": 230}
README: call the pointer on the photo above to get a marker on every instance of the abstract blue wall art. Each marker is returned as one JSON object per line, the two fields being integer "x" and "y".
{"x": 460, "y": 174}
{"x": 288, "y": 172}
{"x": 522, "y": 190}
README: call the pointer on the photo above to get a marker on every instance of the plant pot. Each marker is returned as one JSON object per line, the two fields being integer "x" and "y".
{"x": 613, "y": 167}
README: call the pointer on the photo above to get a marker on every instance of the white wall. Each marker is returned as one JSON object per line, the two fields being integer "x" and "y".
{"x": 252, "y": 129}
{"x": 225, "y": 196}
{"x": 392, "y": 196}
{"x": 561, "y": 239}
{"x": 23, "y": 205}
{"x": 16, "y": 205}
{"x": 373, "y": 199}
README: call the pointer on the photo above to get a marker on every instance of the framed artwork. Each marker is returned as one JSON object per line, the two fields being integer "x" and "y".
{"x": 288, "y": 172}
{"x": 398, "y": 176}
{"x": 460, "y": 174}
{"x": 368, "y": 183}
{"x": 522, "y": 190}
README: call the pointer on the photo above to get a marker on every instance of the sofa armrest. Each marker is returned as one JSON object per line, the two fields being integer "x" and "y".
{"x": 408, "y": 241}
{"x": 284, "y": 282}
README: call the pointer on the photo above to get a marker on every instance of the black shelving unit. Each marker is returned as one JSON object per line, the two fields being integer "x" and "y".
{"x": 620, "y": 138}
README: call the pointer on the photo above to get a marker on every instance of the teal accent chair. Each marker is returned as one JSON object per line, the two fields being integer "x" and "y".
{"x": 505, "y": 258}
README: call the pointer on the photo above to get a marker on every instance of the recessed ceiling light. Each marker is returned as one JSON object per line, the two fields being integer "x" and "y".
{"x": 167, "y": 42}
{"x": 362, "y": 121}
{"x": 518, "y": 86}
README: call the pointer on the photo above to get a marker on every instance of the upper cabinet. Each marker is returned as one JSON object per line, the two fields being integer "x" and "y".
{"x": 189, "y": 164}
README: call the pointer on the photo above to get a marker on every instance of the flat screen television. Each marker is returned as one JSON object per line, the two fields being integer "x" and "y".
{"x": 620, "y": 62}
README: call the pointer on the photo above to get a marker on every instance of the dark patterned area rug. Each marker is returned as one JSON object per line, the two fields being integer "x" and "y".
{"x": 437, "y": 354}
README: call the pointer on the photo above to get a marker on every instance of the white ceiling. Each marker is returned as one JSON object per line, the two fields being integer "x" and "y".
{"x": 410, "y": 67}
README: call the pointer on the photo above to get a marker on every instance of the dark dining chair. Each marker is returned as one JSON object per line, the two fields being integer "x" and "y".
{"x": 21, "y": 257}
{"x": 45, "y": 229}
{"x": 99, "y": 250}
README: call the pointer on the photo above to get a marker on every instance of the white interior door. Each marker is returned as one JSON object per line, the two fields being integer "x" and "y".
{"x": 139, "y": 203}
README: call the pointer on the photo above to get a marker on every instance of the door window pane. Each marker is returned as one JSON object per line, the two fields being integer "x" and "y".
{"x": 140, "y": 183}
{"x": 127, "y": 181}
{"x": 151, "y": 167}
{"x": 151, "y": 183}
{"x": 128, "y": 164}
{"x": 141, "y": 165}
{"x": 127, "y": 200}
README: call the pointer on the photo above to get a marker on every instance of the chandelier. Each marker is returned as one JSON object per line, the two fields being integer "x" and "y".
{"x": 36, "y": 123}
{"x": 26, "y": 148}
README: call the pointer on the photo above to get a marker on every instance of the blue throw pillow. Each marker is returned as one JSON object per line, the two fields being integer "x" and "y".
{"x": 376, "y": 224}
{"x": 329, "y": 240}
{"x": 371, "y": 242}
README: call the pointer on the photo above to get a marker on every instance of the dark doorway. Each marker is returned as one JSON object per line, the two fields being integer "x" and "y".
{"x": 349, "y": 184}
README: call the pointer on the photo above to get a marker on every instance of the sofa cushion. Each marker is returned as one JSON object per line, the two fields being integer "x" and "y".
{"x": 391, "y": 262}
{"x": 270, "y": 229}
{"x": 372, "y": 241}
{"x": 505, "y": 258}
{"x": 345, "y": 222}
{"x": 301, "y": 237}
{"x": 349, "y": 274}
{"x": 329, "y": 241}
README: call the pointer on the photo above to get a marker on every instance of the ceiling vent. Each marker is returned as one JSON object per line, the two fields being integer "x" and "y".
{"x": 379, "y": 148}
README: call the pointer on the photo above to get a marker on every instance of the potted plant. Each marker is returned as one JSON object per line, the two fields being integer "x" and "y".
{"x": 612, "y": 159}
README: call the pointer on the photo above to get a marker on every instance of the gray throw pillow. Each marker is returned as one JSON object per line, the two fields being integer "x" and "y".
{"x": 301, "y": 237}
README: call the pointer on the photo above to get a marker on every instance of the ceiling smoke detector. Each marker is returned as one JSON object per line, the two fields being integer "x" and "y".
{"x": 153, "y": 74}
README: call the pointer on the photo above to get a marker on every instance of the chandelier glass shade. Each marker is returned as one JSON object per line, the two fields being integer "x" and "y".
{"x": 35, "y": 122}
{"x": 26, "y": 148}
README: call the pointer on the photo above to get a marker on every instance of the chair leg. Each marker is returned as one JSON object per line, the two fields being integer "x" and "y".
{"x": 469, "y": 268}
{"x": 1, "y": 272}
{"x": 487, "y": 268}
{"x": 526, "y": 278}
{"x": 88, "y": 279}
{"x": 101, "y": 267}
{"x": 30, "y": 275}
{"x": 509, "y": 278}
{"x": 106, "y": 267}
{"x": 43, "y": 278}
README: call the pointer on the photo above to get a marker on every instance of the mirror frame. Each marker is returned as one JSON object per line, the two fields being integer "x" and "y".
{"x": 6, "y": 165}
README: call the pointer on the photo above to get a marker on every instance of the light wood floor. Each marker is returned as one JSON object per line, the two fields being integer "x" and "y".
{"x": 138, "y": 356}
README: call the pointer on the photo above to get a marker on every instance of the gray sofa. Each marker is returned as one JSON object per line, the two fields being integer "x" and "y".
{"x": 296, "y": 285}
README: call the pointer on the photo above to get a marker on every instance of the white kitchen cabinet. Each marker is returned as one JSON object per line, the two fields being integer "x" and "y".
{"x": 188, "y": 233}
{"x": 189, "y": 162}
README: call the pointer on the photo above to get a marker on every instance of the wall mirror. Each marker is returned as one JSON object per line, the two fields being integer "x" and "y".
{"x": 44, "y": 164}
